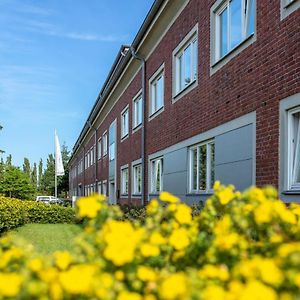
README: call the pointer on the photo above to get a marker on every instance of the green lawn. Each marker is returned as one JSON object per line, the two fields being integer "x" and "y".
{"x": 47, "y": 238}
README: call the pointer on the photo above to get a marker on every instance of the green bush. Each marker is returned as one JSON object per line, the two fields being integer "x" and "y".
{"x": 15, "y": 213}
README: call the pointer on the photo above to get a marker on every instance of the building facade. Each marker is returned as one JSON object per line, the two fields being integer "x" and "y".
{"x": 208, "y": 90}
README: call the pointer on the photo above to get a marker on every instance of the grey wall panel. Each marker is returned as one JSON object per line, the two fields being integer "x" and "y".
{"x": 175, "y": 183}
{"x": 175, "y": 161}
{"x": 234, "y": 145}
{"x": 237, "y": 173}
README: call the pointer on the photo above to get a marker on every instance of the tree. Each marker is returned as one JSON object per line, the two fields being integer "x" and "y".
{"x": 26, "y": 167}
{"x": 40, "y": 173}
{"x": 1, "y": 151}
{"x": 16, "y": 184}
{"x": 63, "y": 181}
{"x": 9, "y": 160}
{"x": 34, "y": 175}
{"x": 47, "y": 181}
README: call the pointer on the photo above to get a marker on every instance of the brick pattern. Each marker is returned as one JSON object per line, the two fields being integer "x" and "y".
{"x": 255, "y": 80}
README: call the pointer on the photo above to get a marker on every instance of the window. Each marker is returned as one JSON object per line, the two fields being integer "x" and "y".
{"x": 104, "y": 187}
{"x": 137, "y": 111}
{"x": 112, "y": 151}
{"x": 99, "y": 149}
{"x": 92, "y": 156}
{"x": 99, "y": 188}
{"x": 124, "y": 181}
{"x": 156, "y": 175}
{"x": 202, "y": 167}
{"x": 137, "y": 179}
{"x": 294, "y": 149}
{"x": 234, "y": 22}
{"x": 288, "y": 7}
{"x": 157, "y": 91}
{"x": 186, "y": 63}
{"x": 104, "y": 143}
{"x": 125, "y": 122}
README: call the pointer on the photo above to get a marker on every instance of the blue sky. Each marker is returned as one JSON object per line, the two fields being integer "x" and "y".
{"x": 54, "y": 58}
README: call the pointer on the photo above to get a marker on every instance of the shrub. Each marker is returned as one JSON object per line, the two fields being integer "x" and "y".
{"x": 14, "y": 213}
{"x": 240, "y": 246}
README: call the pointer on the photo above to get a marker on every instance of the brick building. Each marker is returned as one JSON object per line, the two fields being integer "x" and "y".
{"x": 207, "y": 90}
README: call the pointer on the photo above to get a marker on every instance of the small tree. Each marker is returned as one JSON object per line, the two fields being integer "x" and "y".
{"x": 26, "y": 167}
{"x": 34, "y": 175}
{"x": 16, "y": 184}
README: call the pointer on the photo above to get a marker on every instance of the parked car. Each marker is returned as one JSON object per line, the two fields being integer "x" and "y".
{"x": 48, "y": 200}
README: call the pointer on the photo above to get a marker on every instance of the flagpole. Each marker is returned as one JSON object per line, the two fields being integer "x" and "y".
{"x": 55, "y": 176}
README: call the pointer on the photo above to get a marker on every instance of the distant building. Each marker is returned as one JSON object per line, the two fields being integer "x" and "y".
{"x": 208, "y": 90}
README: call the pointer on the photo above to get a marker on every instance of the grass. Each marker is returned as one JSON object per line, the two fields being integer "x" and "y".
{"x": 48, "y": 238}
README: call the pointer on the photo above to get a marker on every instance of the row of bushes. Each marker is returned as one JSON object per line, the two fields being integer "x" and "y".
{"x": 242, "y": 246}
{"x": 15, "y": 213}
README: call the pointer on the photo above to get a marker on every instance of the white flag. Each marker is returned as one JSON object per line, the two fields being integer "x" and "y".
{"x": 59, "y": 167}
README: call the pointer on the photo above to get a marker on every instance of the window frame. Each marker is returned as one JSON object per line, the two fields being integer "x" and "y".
{"x": 189, "y": 39}
{"x": 291, "y": 185}
{"x": 105, "y": 143}
{"x": 208, "y": 179}
{"x": 124, "y": 130}
{"x": 124, "y": 168}
{"x": 159, "y": 74}
{"x": 153, "y": 184}
{"x": 287, "y": 7}
{"x": 137, "y": 97}
{"x": 99, "y": 154}
{"x": 134, "y": 179}
{"x": 104, "y": 184}
{"x": 216, "y": 60}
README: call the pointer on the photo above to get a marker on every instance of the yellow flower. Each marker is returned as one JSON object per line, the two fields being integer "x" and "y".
{"x": 35, "y": 264}
{"x": 174, "y": 287}
{"x": 56, "y": 291}
{"x": 63, "y": 259}
{"x": 284, "y": 213}
{"x": 89, "y": 206}
{"x": 183, "y": 214}
{"x": 179, "y": 239}
{"x": 149, "y": 250}
{"x": 255, "y": 290}
{"x": 121, "y": 241}
{"x": 78, "y": 279}
{"x": 226, "y": 241}
{"x": 270, "y": 273}
{"x": 286, "y": 249}
{"x": 217, "y": 185}
{"x": 157, "y": 239}
{"x": 146, "y": 274}
{"x": 226, "y": 195}
{"x": 125, "y": 295}
{"x": 167, "y": 197}
{"x": 263, "y": 213}
{"x": 152, "y": 207}
{"x": 214, "y": 292}
{"x": 10, "y": 284}
{"x": 211, "y": 271}
{"x": 119, "y": 275}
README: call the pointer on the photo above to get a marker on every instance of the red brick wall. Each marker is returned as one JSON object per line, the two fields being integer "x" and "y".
{"x": 255, "y": 80}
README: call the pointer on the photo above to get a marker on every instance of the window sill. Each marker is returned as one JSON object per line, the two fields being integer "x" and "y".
{"x": 217, "y": 65}
{"x": 185, "y": 90}
{"x": 200, "y": 193}
{"x": 123, "y": 138}
{"x": 155, "y": 114}
{"x": 136, "y": 128}
{"x": 291, "y": 192}
{"x": 136, "y": 195}
{"x": 124, "y": 196}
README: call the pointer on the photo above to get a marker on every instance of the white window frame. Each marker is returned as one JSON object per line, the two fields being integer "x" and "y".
{"x": 217, "y": 25}
{"x": 124, "y": 184}
{"x": 135, "y": 112}
{"x": 104, "y": 143}
{"x": 153, "y": 106}
{"x": 92, "y": 156}
{"x": 287, "y": 7}
{"x": 135, "y": 179}
{"x": 125, "y": 123}
{"x": 190, "y": 38}
{"x": 292, "y": 152}
{"x": 99, "y": 148}
{"x": 153, "y": 172}
{"x": 209, "y": 183}
{"x": 104, "y": 187}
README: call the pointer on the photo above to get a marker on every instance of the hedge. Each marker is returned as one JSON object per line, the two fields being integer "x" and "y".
{"x": 15, "y": 213}
{"x": 242, "y": 246}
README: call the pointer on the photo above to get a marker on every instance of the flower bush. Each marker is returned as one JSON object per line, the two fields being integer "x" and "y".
{"x": 15, "y": 213}
{"x": 240, "y": 246}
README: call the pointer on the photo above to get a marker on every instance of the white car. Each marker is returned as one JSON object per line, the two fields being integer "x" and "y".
{"x": 47, "y": 199}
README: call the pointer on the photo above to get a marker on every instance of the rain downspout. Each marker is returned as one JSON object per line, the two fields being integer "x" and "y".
{"x": 143, "y": 62}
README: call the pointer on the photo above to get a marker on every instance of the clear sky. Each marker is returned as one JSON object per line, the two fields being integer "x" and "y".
{"x": 54, "y": 57}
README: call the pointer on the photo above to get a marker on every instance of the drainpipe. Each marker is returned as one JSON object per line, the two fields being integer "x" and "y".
{"x": 96, "y": 152}
{"x": 143, "y": 63}
{"x": 83, "y": 169}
